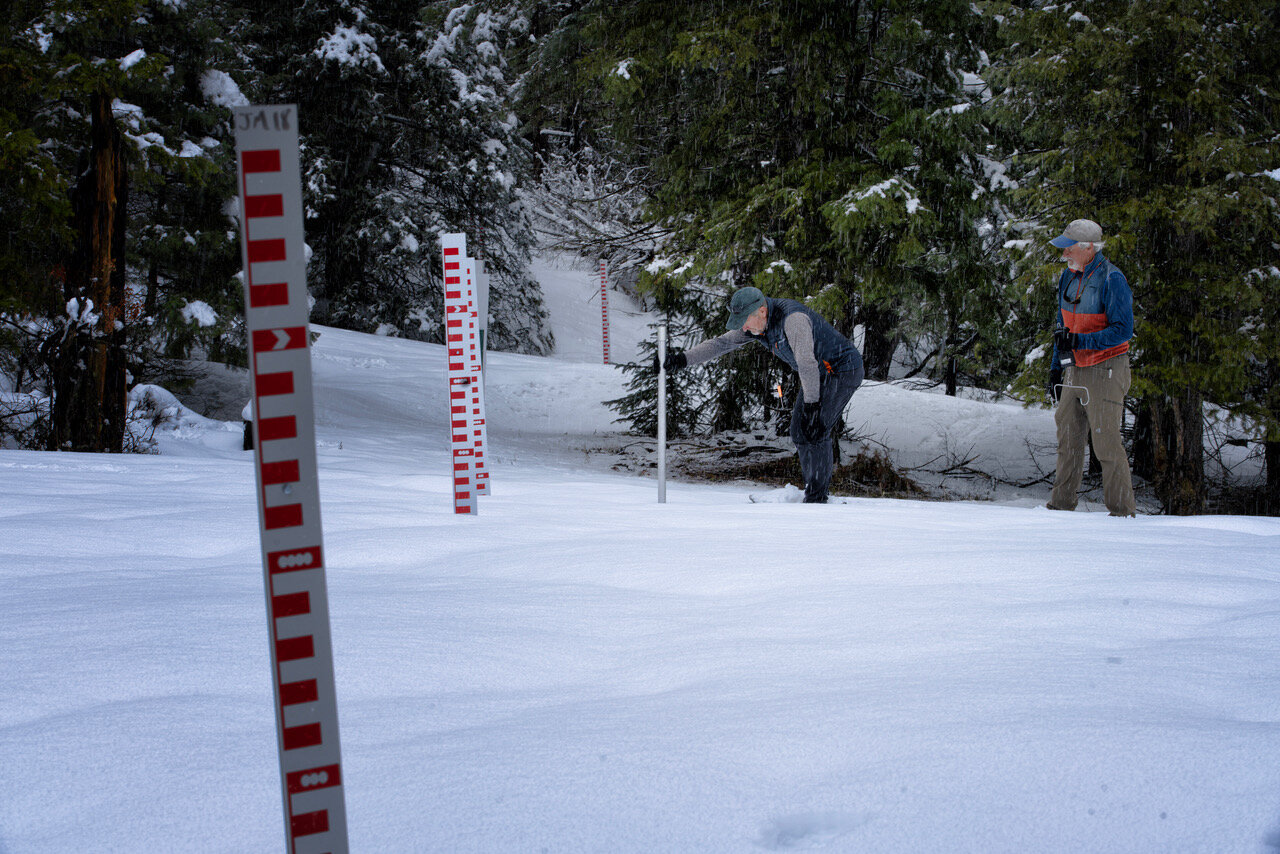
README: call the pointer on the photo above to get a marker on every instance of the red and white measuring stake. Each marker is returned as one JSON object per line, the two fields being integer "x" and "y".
{"x": 466, "y": 394}
{"x": 662, "y": 414}
{"x": 604, "y": 305}
{"x": 271, "y": 239}
{"x": 472, "y": 278}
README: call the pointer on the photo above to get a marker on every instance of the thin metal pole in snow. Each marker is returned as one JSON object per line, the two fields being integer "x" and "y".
{"x": 662, "y": 415}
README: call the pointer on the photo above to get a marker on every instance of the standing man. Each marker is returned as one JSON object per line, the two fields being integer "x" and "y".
{"x": 829, "y": 366}
{"x": 1095, "y": 323}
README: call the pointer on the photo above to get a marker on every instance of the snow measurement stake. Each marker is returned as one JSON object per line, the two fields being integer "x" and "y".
{"x": 662, "y": 415}
{"x": 472, "y": 277}
{"x": 462, "y": 342}
{"x": 482, "y": 309}
{"x": 481, "y": 429}
{"x": 271, "y": 241}
{"x": 604, "y": 305}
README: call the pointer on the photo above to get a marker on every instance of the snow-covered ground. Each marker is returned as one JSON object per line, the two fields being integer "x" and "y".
{"x": 582, "y": 669}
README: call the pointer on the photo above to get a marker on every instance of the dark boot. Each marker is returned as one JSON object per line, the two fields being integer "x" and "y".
{"x": 815, "y": 467}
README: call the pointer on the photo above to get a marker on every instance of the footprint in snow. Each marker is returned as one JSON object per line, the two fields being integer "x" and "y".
{"x": 808, "y": 831}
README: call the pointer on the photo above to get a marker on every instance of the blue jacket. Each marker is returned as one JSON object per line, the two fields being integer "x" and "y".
{"x": 1096, "y": 304}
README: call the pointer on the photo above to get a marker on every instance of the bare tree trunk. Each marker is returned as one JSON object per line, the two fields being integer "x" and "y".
{"x": 89, "y": 381}
{"x": 1169, "y": 451}
{"x": 152, "y": 298}
{"x": 1272, "y": 499}
{"x": 879, "y": 341}
{"x": 1271, "y": 447}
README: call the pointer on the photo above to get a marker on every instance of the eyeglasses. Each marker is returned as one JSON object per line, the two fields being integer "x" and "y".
{"x": 1079, "y": 291}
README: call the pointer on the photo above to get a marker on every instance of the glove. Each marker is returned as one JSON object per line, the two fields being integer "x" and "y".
{"x": 1055, "y": 384}
{"x": 811, "y": 422}
{"x": 1066, "y": 341}
{"x": 674, "y": 362}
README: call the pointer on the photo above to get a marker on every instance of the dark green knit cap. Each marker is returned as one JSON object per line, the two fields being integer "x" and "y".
{"x": 742, "y": 304}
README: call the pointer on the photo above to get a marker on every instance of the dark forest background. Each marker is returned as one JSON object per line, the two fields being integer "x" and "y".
{"x": 897, "y": 165}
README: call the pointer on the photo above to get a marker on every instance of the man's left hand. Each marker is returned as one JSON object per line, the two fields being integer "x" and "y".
{"x": 1066, "y": 341}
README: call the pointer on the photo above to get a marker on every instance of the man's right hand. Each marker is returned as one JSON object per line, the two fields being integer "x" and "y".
{"x": 811, "y": 422}
{"x": 1055, "y": 384}
{"x": 676, "y": 360}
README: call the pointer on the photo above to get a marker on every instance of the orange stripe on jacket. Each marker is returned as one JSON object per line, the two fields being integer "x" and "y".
{"x": 1086, "y": 323}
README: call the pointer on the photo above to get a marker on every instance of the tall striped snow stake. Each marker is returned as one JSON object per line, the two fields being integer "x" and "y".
{"x": 604, "y": 305}
{"x": 472, "y": 281}
{"x": 482, "y": 309}
{"x": 272, "y": 250}
{"x": 462, "y": 346}
{"x": 662, "y": 414}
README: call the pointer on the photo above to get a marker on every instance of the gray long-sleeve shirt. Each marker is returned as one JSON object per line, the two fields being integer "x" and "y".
{"x": 790, "y": 336}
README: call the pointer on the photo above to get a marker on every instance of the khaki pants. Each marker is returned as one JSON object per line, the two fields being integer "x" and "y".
{"x": 1093, "y": 401}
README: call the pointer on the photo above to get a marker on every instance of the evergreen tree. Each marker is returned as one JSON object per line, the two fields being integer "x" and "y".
{"x": 1159, "y": 120}
{"x": 483, "y": 162}
{"x": 586, "y": 199}
{"x": 328, "y": 59}
{"x": 692, "y": 406}
{"x": 184, "y": 258}
{"x": 85, "y": 164}
{"x": 818, "y": 150}
{"x": 407, "y": 133}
